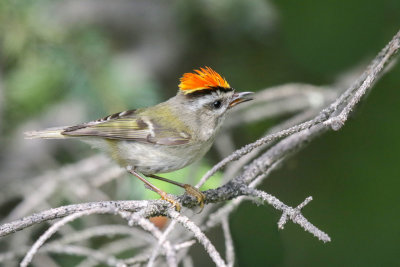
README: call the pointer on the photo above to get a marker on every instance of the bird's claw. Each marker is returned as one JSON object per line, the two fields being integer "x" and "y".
{"x": 175, "y": 204}
{"x": 193, "y": 191}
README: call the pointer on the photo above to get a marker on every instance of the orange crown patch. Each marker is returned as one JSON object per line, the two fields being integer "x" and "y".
{"x": 205, "y": 78}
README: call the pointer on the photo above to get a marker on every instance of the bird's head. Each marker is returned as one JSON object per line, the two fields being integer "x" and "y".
{"x": 207, "y": 96}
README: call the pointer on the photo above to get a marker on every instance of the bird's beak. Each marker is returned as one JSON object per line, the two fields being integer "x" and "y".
{"x": 238, "y": 98}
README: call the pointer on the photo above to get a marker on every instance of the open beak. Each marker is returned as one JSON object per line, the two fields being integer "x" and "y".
{"x": 240, "y": 98}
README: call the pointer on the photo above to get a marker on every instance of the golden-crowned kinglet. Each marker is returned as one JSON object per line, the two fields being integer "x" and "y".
{"x": 165, "y": 137}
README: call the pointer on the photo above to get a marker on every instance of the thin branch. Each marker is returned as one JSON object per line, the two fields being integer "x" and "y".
{"x": 217, "y": 216}
{"x": 185, "y": 244}
{"x": 53, "y": 229}
{"x": 104, "y": 230}
{"x": 138, "y": 219}
{"x": 63, "y": 211}
{"x": 382, "y": 60}
{"x": 229, "y": 248}
{"x": 236, "y": 166}
{"x": 294, "y": 214}
{"x": 145, "y": 258}
{"x": 112, "y": 248}
{"x": 200, "y": 236}
{"x": 161, "y": 240}
{"x": 250, "y": 147}
{"x": 281, "y": 100}
{"x": 86, "y": 252}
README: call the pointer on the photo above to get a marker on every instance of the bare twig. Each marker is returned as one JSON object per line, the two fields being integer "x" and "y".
{"x": 63, "y": 211}
{"x": 105, "y": 230}
{"x": 86, "y": 252}
{"x": 53, "y": 229}
{"x": 191, "y": 226}
{"x": 294, "y": 214}
{"x": 161, "y": 240}
{"x": 137, "y": 218}
{"x": 229, "y": 248}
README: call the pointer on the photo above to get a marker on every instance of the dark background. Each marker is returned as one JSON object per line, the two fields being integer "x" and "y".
{"x": 64, "y": 62}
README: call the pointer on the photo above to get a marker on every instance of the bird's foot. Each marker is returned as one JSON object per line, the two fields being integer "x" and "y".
{"x": 193, "y": 191}
{"x": 166, "y": 197}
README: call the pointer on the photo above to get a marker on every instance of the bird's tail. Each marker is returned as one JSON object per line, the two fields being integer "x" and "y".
{"x": 50, "y": 133}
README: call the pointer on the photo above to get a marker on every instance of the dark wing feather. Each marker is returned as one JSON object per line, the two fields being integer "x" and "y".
{"x": 130, "y": 126}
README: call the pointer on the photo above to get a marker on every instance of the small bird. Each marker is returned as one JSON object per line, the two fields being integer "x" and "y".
{"x": 165, "y": 137}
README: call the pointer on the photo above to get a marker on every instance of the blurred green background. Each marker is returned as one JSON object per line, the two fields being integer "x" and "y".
{"x": 64, "y": 62}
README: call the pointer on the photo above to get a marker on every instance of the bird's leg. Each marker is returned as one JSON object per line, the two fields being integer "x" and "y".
{"x": 163, "y": 194}
{"x": 190, "y": 190}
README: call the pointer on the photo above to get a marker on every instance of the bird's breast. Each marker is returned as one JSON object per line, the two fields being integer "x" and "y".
{"x": 152, "y": 159}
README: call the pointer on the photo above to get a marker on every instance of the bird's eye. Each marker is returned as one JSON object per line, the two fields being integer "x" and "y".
{"x": 217, "y": 104}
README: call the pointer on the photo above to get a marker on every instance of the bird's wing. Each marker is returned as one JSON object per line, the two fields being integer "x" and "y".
{"x": 128, "y": 125}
